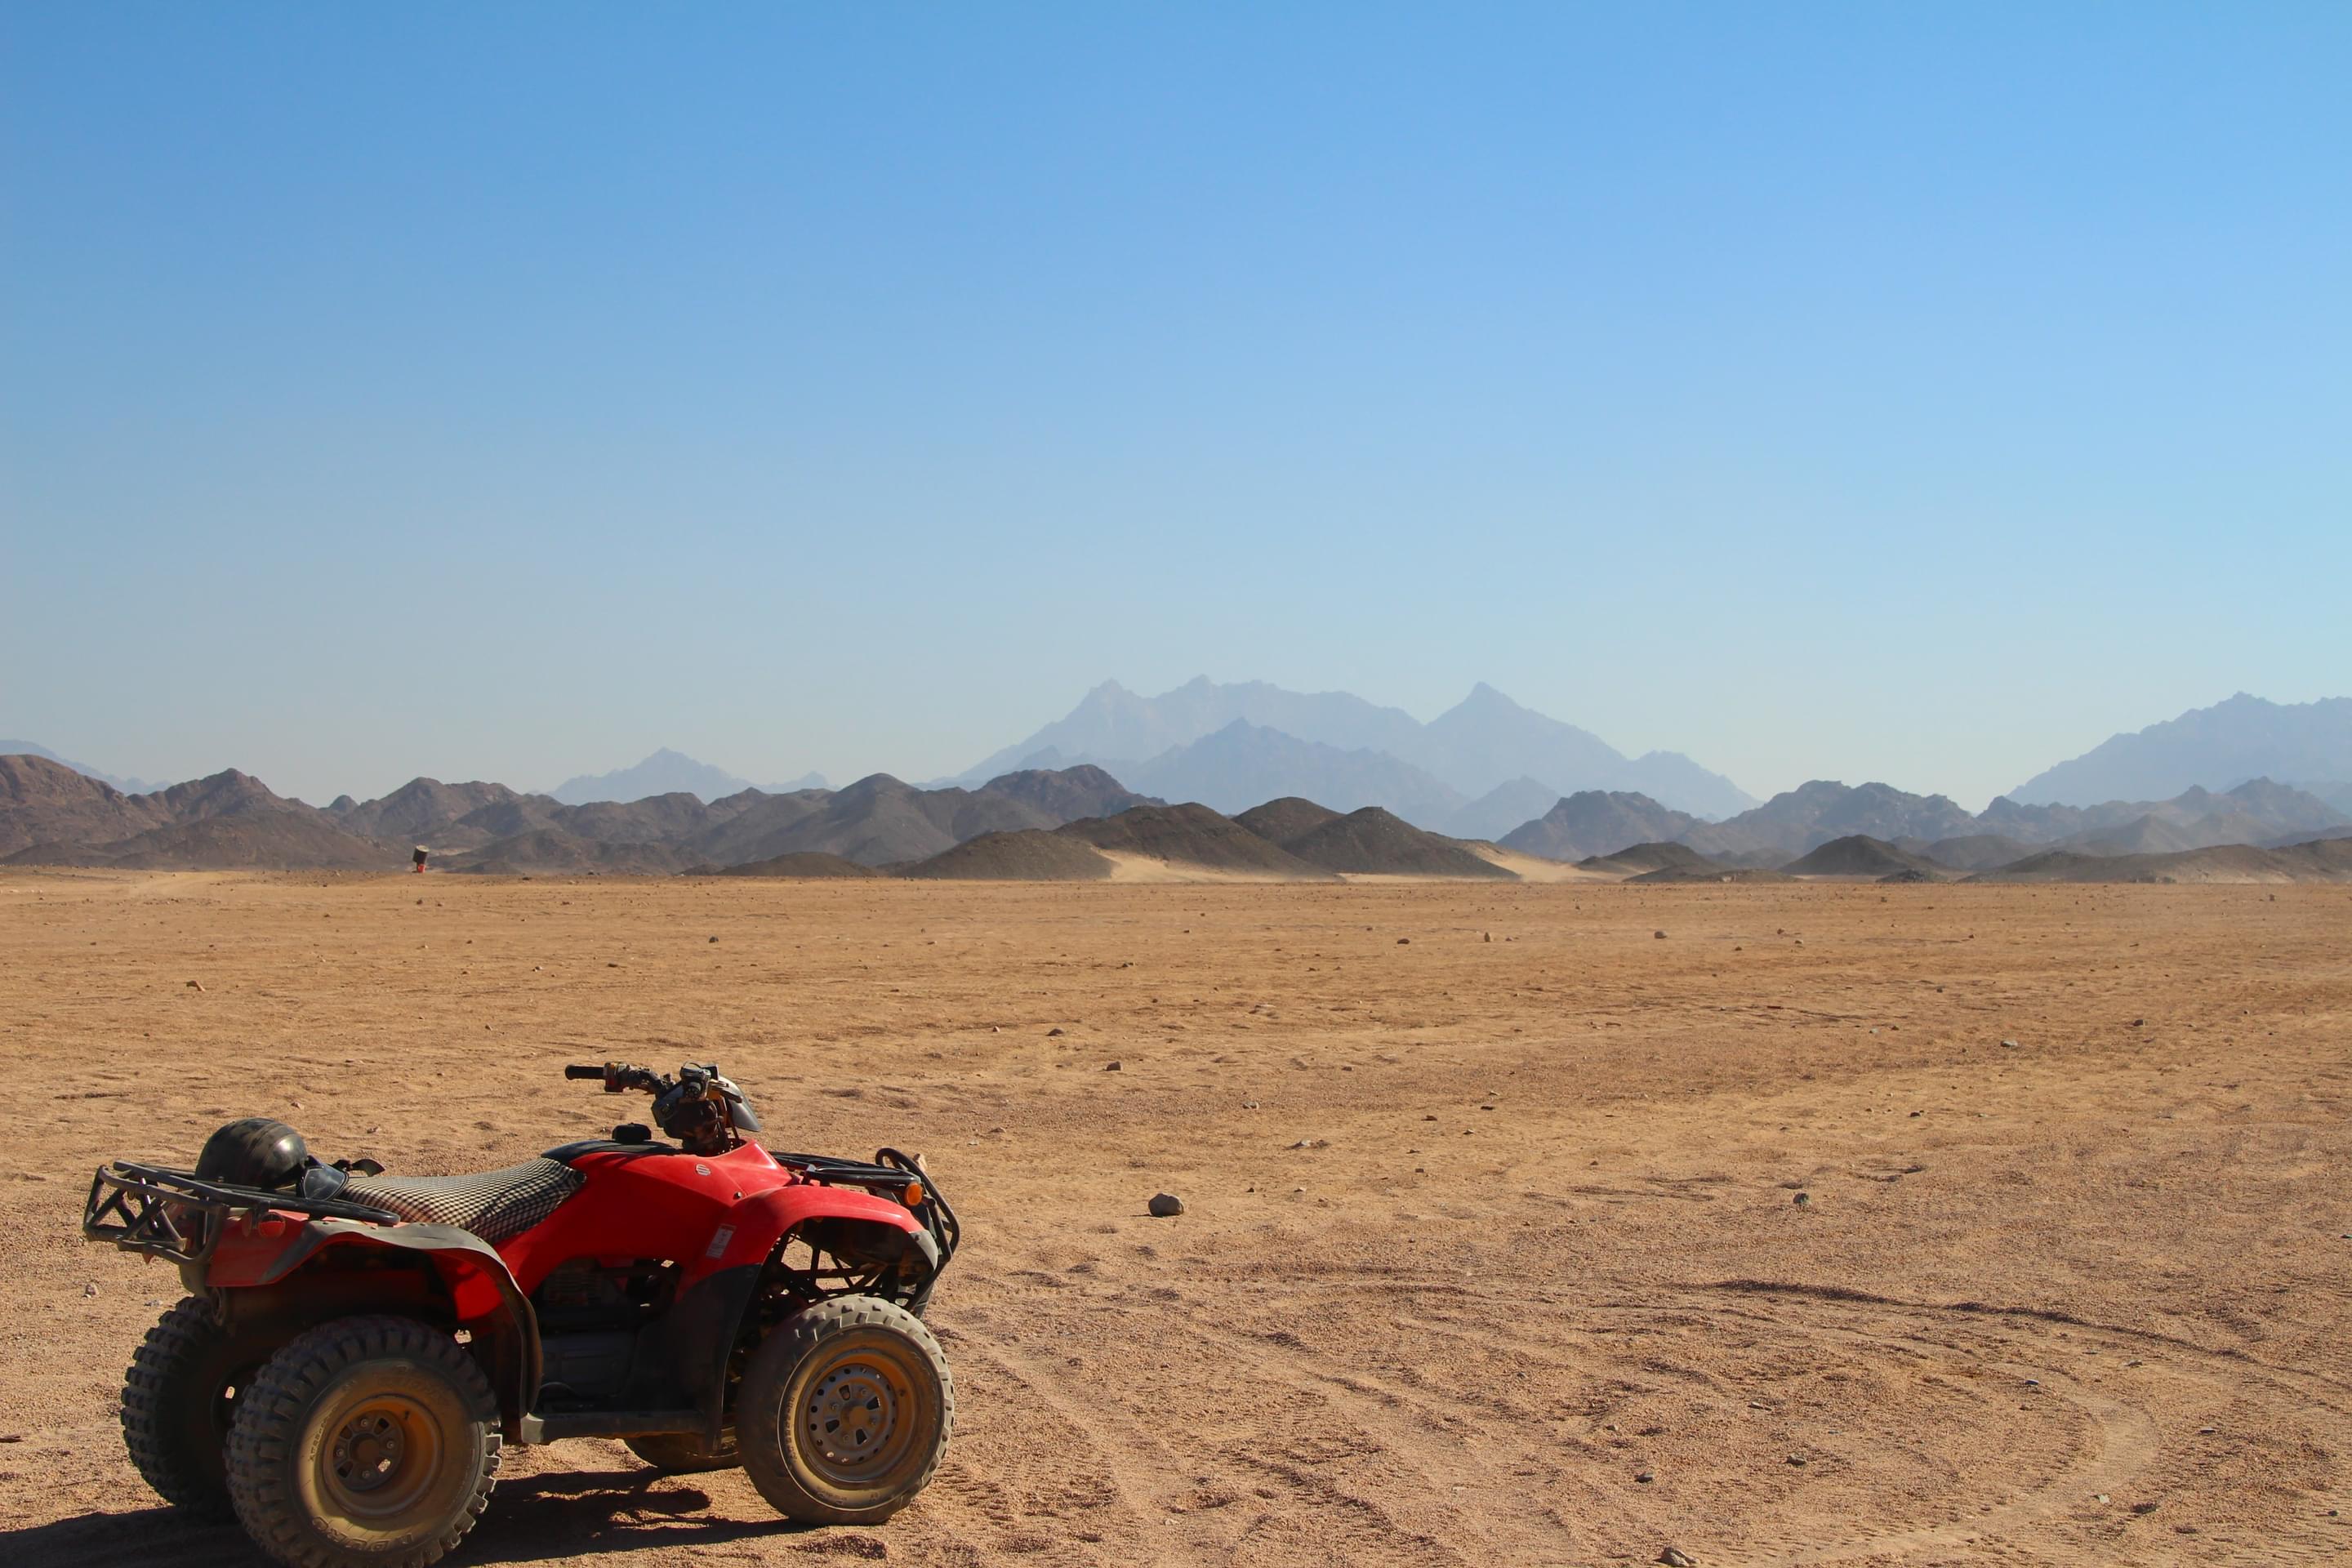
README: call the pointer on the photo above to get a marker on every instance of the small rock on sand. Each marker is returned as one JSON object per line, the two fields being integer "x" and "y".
{"x": 1113, "y": 1066}
{"x": 1675, "y": 1557}
{"x": 1658, "y": 936}
{"x": 1166, "y": 1205}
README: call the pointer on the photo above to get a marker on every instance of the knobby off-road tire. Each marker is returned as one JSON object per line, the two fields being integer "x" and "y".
{"x": 178, "y": 1398}
{"x": 368, "y": 1442}
{"x": 683, "y": 1456}
{"x": 845, "y": 1412}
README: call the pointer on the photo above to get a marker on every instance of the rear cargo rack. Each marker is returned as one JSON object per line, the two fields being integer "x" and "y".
{"x": 158, "y": 1212}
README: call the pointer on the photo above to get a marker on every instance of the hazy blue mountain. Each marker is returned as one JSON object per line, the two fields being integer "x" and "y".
{"x": 2336, "y": 792}
{"x": 1246, "y": 764}
{"x": 2257, "y": 811}
{"x": 1112, "y": 726}
{"x": 1488, "y": 739}
{"x": 127, "y": 786}
{"x": 1480, "y": 745}
{"x": 669, "y": 772}
{"x": 1502, "y": 808}
{"x": 2217, "y": 747}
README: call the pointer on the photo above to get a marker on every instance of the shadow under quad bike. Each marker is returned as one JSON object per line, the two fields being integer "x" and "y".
{"x": 355, "y": 1347}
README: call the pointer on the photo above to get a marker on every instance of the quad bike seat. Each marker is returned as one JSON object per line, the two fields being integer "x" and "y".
{"x": 497, "y": 1206}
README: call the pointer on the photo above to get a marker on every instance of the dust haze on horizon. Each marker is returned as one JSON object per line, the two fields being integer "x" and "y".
{"x": 1897, "y": 396}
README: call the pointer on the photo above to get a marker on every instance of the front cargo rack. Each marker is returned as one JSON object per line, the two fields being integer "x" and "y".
{"x": 158, "y": 1212}
{"x": 890, "y": 1171}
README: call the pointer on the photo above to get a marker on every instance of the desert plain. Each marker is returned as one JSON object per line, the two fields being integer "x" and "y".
{"x": 1551, "y": 1224}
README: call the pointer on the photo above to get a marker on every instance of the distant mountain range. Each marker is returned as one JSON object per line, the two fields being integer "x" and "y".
{"x": 668, "y": 772}
{"x": 2308, "y": 744}
{"x": 1230, "y": 739}
{"x": 1488, "y": 770}
{"x": 1080, "y": 823}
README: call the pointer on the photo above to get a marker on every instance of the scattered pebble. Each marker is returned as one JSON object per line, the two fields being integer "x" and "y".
{"x": 1312, "y": 1143}
{"x": 1675, "y": 1557}
{"x": 1644, "y": 1478}
{"x": 2008, "y": 1044}
{"x": 1108, "y": 1066}
{"x": 1797, "y": 1459}
{"x": 196, "y": 985}
{"x": 1166, "y": 1205}
{"x": 1658, "y": 936}
{"x": 1404, "y": 942}
{"x": 1051, "y": 1032}
{"x": 714, "y": 938}
{"x": 1803, "y": 1200}
{"x": 89, "y": 1289}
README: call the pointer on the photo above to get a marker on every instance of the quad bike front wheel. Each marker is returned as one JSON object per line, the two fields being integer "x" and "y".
{"x": 366, "y": 1441}
{"x": 845, "y": 1412}
{"x": 178, "y": 1398}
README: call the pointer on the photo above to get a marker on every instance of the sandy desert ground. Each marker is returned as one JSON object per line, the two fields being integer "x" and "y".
{"x": 1493, "y": 1254}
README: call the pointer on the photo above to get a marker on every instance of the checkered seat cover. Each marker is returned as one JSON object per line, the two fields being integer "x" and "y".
{"x": 497, "y": 1206}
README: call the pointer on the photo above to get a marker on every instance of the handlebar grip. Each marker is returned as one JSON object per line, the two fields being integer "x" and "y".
{"x": 576, "y": 1070}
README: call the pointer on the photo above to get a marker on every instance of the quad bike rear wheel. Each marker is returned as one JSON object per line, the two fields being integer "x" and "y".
{"x": 178, "y": 1398}
{"x": 845, "y": 1412}
{"x": 681, "y": 1454}
{"x": 367, "y": 1442}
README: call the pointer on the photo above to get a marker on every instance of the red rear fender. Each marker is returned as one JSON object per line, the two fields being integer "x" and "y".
{"x": 293, "y": 1273}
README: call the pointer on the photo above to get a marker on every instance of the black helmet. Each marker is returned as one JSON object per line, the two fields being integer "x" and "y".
{"x": 253, "y": 1152}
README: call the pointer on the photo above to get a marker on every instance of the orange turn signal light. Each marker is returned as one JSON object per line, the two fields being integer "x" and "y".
{"x": 911, "y": 1194}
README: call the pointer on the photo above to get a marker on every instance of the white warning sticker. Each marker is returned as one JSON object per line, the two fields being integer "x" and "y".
{"x": 718, "y": 1240}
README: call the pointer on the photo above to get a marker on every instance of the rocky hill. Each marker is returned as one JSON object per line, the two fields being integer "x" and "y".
{"x": 1597, "y": 822}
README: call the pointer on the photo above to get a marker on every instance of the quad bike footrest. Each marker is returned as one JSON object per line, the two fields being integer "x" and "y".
{"x": 556, "y": 1426}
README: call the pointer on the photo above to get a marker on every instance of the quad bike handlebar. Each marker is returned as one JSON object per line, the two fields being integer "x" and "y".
{"x": 700, "y": 1108}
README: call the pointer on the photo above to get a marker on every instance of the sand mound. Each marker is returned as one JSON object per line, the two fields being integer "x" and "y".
{"x": 1969, "y": 851}
{"x": 1373, "y": 842}
{"x": 2325, "y": 861}
{"x": 809, "y": 863}
{"x": 1713, "y": 874}
{"x": 1859, "y": 854}
{"x": 1191, "y": 835}
{"x": 272, "y": 841}
{"x": 552, "y": 852}
{"x": 1640, "y": 860}
{"x": 1029, "y": 855}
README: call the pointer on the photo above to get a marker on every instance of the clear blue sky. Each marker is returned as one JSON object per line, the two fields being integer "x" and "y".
{"x": 1903, "y": 392}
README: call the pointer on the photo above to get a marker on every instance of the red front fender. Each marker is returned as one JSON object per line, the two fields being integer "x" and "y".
{"x": 756, "y": 1223}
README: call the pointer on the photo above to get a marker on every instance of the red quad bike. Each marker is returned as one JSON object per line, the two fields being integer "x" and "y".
{"x": 356, "y": 1346}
